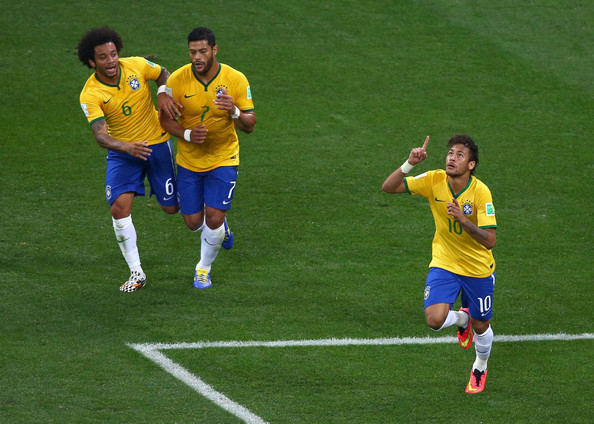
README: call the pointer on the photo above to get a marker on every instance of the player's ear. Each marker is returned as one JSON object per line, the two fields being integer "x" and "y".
{"x": 92, "y": 63}
{"x": 471, "y": 165}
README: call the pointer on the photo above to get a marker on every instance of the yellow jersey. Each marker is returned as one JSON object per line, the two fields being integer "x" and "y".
{"x": 221, "y": 147}
{"x": 127, "y": 106}
{"x": 453, "y": 249}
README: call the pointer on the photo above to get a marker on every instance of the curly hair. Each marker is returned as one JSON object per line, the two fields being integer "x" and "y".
{"x": 97, "y": 37}
{"x": 468, "y": 142}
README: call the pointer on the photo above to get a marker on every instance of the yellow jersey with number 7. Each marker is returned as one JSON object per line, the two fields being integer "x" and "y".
{"x": 221, "y": 147}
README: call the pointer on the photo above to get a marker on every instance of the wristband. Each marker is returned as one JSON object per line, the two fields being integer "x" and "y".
{"x": 406, "y": 167}
{"x": 187, "y": 135}
{"x": 236, "y": 114}
{"x": 162, "y": 89}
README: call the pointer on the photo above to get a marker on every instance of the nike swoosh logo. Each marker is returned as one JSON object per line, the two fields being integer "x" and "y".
{"x": 187, "y": 97}
{"x": 168, "y": 198}
{"x": 106, "y": 102}
{"x": 225, "y": 202}
{"x": 437, "y": 200}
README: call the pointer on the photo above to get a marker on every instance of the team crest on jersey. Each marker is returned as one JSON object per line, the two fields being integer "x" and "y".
{"x": 220, "y": 89}
{"x": 467, "y": 208}
{"x": 108, "y": 192}
{"x": 133, "y": 82}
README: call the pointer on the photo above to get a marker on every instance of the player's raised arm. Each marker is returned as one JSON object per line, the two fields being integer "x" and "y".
{"x": 395, "y": 182}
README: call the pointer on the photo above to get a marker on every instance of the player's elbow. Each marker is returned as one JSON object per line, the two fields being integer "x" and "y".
{"x": 490, "y": 243}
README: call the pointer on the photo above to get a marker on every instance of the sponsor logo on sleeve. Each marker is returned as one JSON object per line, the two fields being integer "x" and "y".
{"x": 84, "y": 108}
{"x": 490, "y": 210}
{"x": 249, "y": 93}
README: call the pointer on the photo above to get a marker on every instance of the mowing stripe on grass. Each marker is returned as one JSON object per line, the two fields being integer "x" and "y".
{"x": 152, "y": 351}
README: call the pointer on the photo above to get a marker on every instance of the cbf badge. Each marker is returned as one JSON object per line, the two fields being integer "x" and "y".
{"x": 133, "y": 82}
{"x": 427, "y": 292}
{"x": 467, "y": 208}
{"x": 108, "y": 192}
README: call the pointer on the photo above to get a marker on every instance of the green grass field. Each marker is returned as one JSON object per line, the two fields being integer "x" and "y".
{"x": 343, "y": 91}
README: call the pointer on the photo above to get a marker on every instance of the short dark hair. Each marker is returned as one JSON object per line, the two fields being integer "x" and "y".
{"x": 202, "y": 33}
{"x": 97, "y": 37}
{"x": 468, "y": 142}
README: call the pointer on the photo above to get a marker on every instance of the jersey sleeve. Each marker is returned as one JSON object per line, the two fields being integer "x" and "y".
{"x": 243, "y": 94}
{"x": 90, "y": 106}
{"x": 420, "y": 184}
{"x": 150, "y": 71}
{"x": 486, "y": 210}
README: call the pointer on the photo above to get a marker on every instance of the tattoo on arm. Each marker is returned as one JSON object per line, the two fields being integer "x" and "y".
{"x": 103, "y": 138}
{"x": 482, "y": 235}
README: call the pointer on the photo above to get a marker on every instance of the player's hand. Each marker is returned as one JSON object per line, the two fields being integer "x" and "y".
{"x": 198, "y": 134}
{"x": 168, "y": 106}
{"x": 455, "y": 211}
{"x": 224, "y": 101}
{"x": 138, "y": 149}
{"x": 418, "y": 154}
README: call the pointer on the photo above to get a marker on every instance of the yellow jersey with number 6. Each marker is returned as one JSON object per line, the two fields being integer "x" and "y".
{"x": 453, "y": 248}
{"x": 127, "y": 106}
{"x": 221, "y": 147}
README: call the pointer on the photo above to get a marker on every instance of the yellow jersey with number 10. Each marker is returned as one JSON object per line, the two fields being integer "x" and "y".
{"x": 453, "y": 248}
{"x": 221, "y": 147}
{"x": 127, "y": 107}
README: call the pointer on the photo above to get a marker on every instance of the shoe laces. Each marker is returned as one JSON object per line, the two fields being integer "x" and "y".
{"x": 202, "y": 277}
{"x": 477, "y": 376}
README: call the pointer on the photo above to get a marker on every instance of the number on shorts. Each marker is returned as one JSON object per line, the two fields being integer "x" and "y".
{"x": 485, "y": 304}
{"x": 169, "y": 186}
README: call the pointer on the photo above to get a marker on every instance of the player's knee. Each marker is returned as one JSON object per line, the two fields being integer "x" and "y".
{"x": 170, "y": 209}
{"x": 434, "y": 321}
{"x": 480, "y": 327}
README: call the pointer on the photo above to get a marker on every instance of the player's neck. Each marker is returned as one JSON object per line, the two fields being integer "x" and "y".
{"x": 458, "y": 183}
{"x": 207, "y": 77}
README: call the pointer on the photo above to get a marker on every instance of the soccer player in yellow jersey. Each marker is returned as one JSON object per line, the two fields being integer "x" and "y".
{"x": 462, "y": 261}
{"x": 216, "y": 101}
{"x": 118, "y": 104}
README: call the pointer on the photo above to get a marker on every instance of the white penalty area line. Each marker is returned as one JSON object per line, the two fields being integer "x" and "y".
{"x": 153, "y": 352}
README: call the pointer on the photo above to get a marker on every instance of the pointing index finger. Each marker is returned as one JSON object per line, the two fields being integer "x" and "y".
{"x": 426, "y": 142}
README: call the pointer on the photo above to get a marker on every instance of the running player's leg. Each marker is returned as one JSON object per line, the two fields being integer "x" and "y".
{"x": 441, "y": 291}
{"x": 190, "y": 187}
{"x": 124, "y": 179}
{"x": 480, "y": 296}
{"x": 219, "y": 187}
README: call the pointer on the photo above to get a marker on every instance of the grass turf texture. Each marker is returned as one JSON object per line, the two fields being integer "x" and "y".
{"x": 343, "y": 91}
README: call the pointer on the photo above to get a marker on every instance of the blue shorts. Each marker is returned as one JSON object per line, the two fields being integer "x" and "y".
{"x": 476, "y": 294}
{"x": 214, "y": 188}
{"x": 126, "y": 174}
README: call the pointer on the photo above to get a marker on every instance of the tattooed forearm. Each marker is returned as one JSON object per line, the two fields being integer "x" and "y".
{"x": 104, "y": 139}
{"x": 485, "y": 236}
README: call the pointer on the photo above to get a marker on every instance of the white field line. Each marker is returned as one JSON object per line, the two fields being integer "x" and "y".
{"x": 153, "y": 352}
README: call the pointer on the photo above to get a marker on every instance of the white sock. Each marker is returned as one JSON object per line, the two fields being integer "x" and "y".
{"x": 452, "y": 318}
{"x": 482, "y": 346}
{"x": 211, "y": 241}
{"x": 126, "y": 237}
